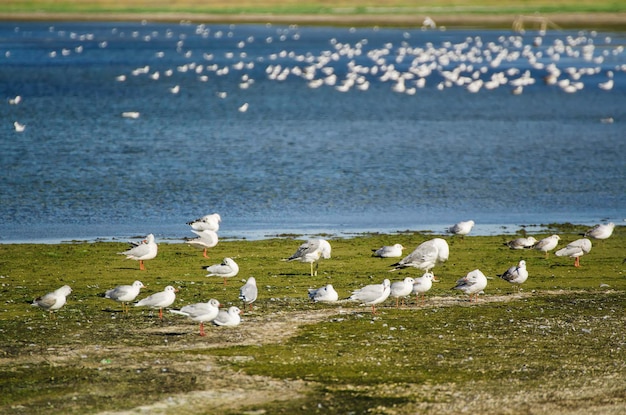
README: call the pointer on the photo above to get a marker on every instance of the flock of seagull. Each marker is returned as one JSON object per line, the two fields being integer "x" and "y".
{"x": 425, "y": 257}
{"x": 472, "y": 63}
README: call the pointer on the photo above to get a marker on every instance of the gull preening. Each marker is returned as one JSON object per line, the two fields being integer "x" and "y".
{"x": 521, "y": 243}
{"x": 311, "y": 252}
{"x": 200, "y": 312}
{"x": 248, "y": 292}
{"x": 372, "y": 294}
{"x": 473, "y": 284}
{"x": 547, "y": 244}
{"x": 461, "y": 228}
{"x": 53, "y": 300}
{"x": 124, "y": 294}
{"x": 517, "y": 274}
{"x": 422, "y": 285}
{"x": 401, "y": 289}
{"x": 228, "y": 268}
{"x": 325, "y": 294}
{"x": 425, "y": 256}
{"x": 208, "y": 222}
{"x": 142, "y": 251}
{"x": 389, "y": 251}
{"x": 159, "y": 300}
{"x": 601, "y": 231}
{"x": 575, "y": 250}
{"x": 230, "y": 317}
{"x": 206, "y": 239}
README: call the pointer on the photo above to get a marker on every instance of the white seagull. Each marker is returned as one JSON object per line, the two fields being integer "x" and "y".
{"x": 547, "y": 244}
{"x": 517, "y": 274}
{"x": 142, "y": 251}
{"x": 601, "y": 231}
{"x": 210, "y": 222}
{"x": 159, "y": 300}
{"x": 19, "y": 127}
{"x": 248, "y": 292}
{"x": 575, "y": 250}
{"x": 312, "y": 251}
{"x": 206, "y": 239}
{"x": 521, "y": 243}
{"x": 401, "y": 289}
{"x": 228, "y": 268}
{"x": 124, "y": 294}
{"x": 425, "y": 256}
{"x": 372, "y": 294}
{"x": 461, "y": 228}
{"x": 473, "y": 283}
{"x": 422, "y": 285}
{"x": 230, "y": 317}
{"x": 200, "y": 312}
{"x": 325, "y": 294}
{"x": 390, "y": 251}
{"x": 54, "y": 300}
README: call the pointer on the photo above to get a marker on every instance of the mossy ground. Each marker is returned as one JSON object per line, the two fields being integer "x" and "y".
{"x": 556, "y": 345}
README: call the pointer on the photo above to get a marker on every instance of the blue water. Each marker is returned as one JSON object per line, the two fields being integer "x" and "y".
{"x": 301, "y": 159}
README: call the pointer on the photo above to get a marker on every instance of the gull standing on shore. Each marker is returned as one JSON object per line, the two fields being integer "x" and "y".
{"x": 228, "y": 268}
{"x": 206, "y": 239}
{"x": 401, "y": 289}
{"x": 601, "y": 231}
{"x": 425, "y": 256}
{"x": 248, "y": 292}
{"x": 124, "y": 294}
{"x": 312, "y": 251}
{"x": 575, "y": 250}
{"x": 461, "y": 228}
{"x": 208, "y": 222}
{"x": 54, "y": 300}
{"x": 142, "y": 251}
{"x": 159, "y": 300}
{"x": 230, "y": 317}
{"x": 516, "y": 275}
{"x": 422, "y": 285}
{"x": 372, "y": 294}
{"x": 200, "y": 312}
{"x": 473, "y": 284}
{"x": 547, "y": 244}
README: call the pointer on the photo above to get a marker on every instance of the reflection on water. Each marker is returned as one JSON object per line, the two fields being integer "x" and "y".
{"x": 407, "y": 146}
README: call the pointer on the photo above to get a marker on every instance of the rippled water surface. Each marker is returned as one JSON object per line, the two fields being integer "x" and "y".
{"x": 304, "y": 158}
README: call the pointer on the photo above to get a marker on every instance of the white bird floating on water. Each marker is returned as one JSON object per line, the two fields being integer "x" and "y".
{"x": 206, "y": 239}
{"x": 200, "y": 312}
{"x": 53, "y": 300}
{"x": 248, "y": 292}
{"x": 159, "y": 300}
{"x": 517, "y": 274}
{"x": 422, "y": 285}
{"x": 131, "y": 114}
{"x": 19, "y": 127}
{"x": 401, "y": 289}
{"x": 325, "y": 294}
{"x": 547, "y": 244}
{"x": 311, "y": 252}
{"x": 124, "y": 294}
{"x": 390, "y": 251}
{"x": 208, "y": 222}
{"x": 461, "y": 228}
{"x": 227, "y": 269}
{"x": 142, "y": 251}
{"x": 372, "y": 294}
{"x": 575, "y": 250}
{"x": 230, "y": 317}
{"x": 425, "y": 256}
{"x": 601, "y": 231}
{"x": 473, "y": 284}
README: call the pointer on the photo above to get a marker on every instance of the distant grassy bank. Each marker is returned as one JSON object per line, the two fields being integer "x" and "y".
{"x": 450, "y": 13}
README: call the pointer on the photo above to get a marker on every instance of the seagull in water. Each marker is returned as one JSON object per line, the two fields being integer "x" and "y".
{"x": 372, "y": 294}
{"x": 601, "y": 231}
{"x": 473, "y": 284}
{"x": 547, "y": 244}
{"x": 54, "y": 300}
{"x": 249, "y": 292}
{"x": 159, "y": 300}
{"x": 312, "y": 251}
{"x": 461, "y": 228}
{"x": 200, "y": 312}
{"x": 392, "y": 251}
{"x": 142, "y": 251}
{"x": 124, "y": 294}
{"x": 401, "y": 289}
{"x": 208, "y": 222}
{"x": 423, "y": 284}
{"x": 425, "y": 256}
{"x": 575, "y": 250}
{"x": 206, "y": 239}
{"x": 230, "y": 317}
{"x": 516, "y": 275}
{"x": 325, "y": 294}
{"x": 228, "y": 268}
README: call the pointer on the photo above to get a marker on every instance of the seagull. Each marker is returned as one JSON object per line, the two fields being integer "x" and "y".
{"x": 402, "y": 288}
{"x": 131, "y": 114}
{"x": 575, "y": 249}
{"x": 516, "y": 274}
{"x": 206, "y": 239}
{"x": 200, "y": 312}
{"x": 54, "y": 300}
{"x": 19, "y": 127}
{"x": 425, "y": 256}
{"x": 230, "y": 317}
{"x": 243, "y": 107}
{"x": 248, "y": 292}
{"x": 208, "y": 222}
{"x": 124, "y": 294}
{"x": 325, "y": 294}
{"x": 521, "y": 243}
{"x": 16, "y": 100}
{"x": 461, "y": 228}
{"x": 228, "y": 268}
{"x": 392, "y": 251}
{"x": 142, "y": 251}
{"x": 547, "y": 244}
{"x": 372, "y": 294}
{"x": 473, "y": 283}
{"x": 312, "y": 251}
{"x": 601, "y": 231}
{"x": 422, "y": 284}
{"x": 159, "y": 300}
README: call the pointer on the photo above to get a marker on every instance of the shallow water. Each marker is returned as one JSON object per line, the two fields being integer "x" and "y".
{"x": 302, "y": 159}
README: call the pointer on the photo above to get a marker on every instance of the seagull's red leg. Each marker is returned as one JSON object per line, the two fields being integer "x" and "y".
{"x": 141, "y": 267}
{"x": 202, "y": 333}
{"x": 577, "y": 262}
{"x": 204, "y": 253}
{"x": 161, "y": 313}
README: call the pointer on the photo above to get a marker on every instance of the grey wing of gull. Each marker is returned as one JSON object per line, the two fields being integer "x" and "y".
{"x": 304, "y": 249}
